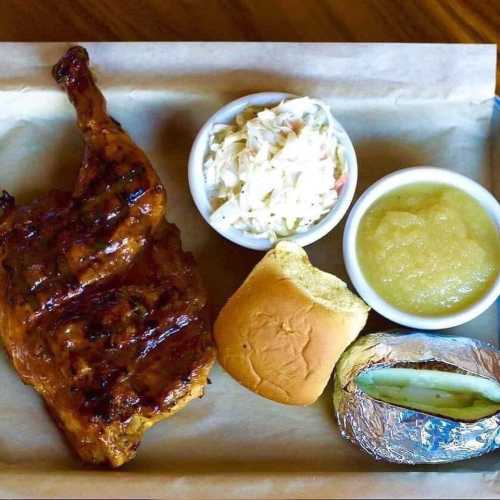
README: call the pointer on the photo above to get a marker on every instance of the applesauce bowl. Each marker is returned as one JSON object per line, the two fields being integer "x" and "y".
{"x": 399, "y": 179}
{"x": 226, "y": 115}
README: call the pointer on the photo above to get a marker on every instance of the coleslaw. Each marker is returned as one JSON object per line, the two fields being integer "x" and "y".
{"x": 275, "y": 172}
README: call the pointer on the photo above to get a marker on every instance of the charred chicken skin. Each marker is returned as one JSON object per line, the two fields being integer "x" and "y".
{"x": 100, "y": 309}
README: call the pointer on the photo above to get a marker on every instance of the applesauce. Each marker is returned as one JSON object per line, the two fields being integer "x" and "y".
{"x": 428, "y": 249}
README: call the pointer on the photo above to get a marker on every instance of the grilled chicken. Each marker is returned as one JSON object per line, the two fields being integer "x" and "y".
{"x": 100, "y": 309}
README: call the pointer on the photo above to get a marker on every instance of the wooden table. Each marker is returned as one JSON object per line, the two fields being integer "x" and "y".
{"x": 465, "y": 21}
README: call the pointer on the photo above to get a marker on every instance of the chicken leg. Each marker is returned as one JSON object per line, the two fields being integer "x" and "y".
{"x": 100, "y": 309}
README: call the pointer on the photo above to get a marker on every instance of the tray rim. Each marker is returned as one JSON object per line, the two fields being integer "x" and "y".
{"x": 320, "y": 484}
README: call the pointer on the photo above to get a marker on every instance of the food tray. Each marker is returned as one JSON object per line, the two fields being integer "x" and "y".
{"x": 403, "y": 105}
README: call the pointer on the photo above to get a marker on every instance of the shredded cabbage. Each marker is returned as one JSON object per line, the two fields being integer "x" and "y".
{"x": 275, "y": 172}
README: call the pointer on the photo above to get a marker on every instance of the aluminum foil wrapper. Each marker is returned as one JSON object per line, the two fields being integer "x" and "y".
{"x": 402, "y": 435}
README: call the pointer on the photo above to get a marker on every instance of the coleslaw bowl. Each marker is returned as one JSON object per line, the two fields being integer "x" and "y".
{"x": 197, "y": 183}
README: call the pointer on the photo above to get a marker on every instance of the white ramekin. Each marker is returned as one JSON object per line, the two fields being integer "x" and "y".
{"x": 226, "y": 115}
{"x": 372, "y": 194}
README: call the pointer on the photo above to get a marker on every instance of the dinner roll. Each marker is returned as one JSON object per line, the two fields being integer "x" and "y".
{"x": 284, "y": 329}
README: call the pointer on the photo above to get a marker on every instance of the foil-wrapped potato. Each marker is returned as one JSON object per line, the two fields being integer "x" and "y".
{"x": 419, "y": 398}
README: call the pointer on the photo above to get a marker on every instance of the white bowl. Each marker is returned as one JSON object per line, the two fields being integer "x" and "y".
{"x": 372, "y": 194}
{"x": 226, "y": 115}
